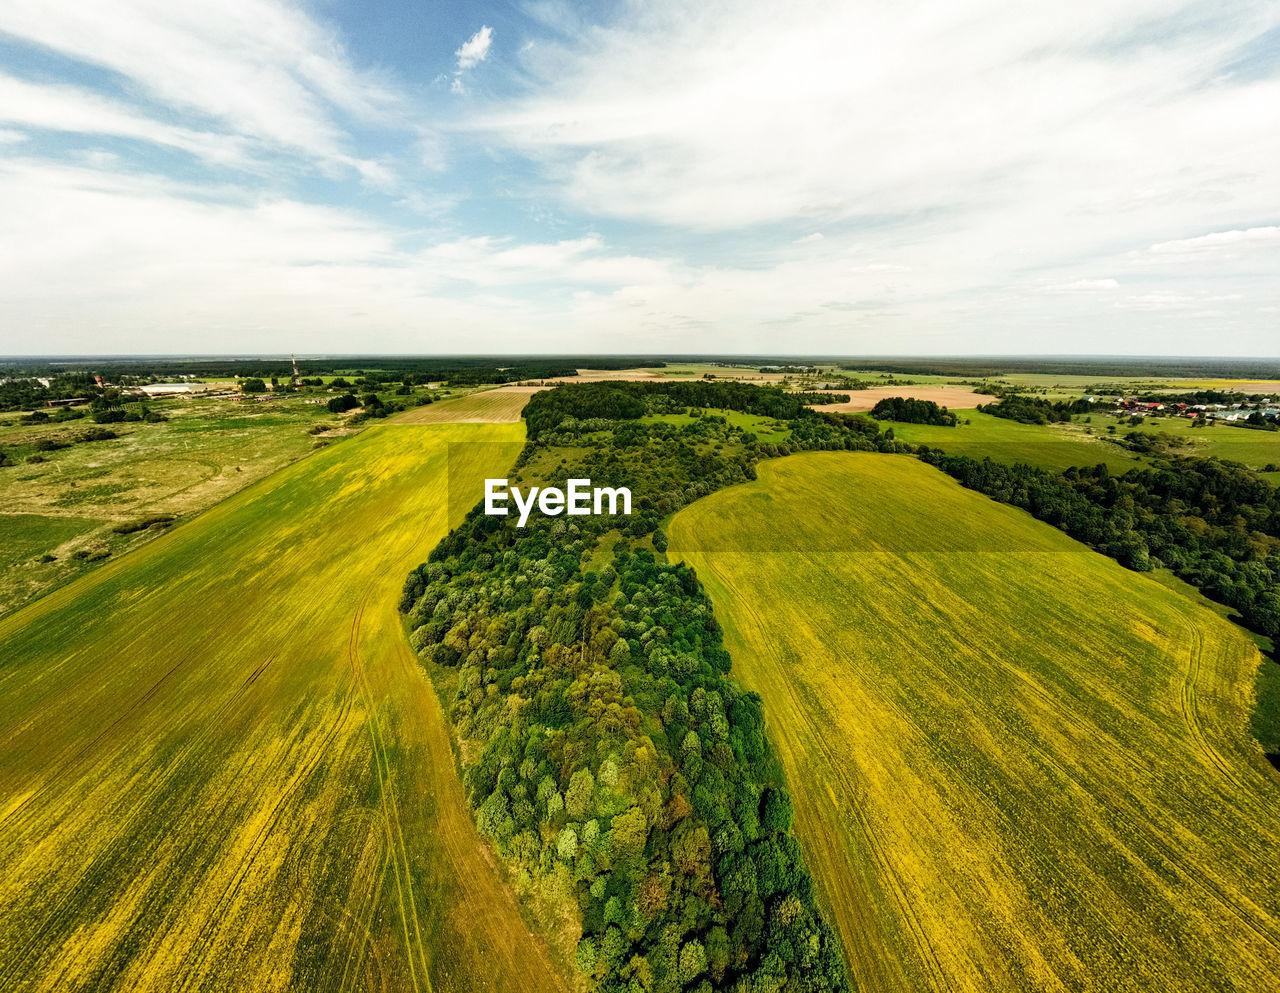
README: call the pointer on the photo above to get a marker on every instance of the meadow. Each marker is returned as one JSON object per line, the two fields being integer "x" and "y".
{"x": 67, "y": 505}
{"x": 1253, "y": 448}
{"x": 1016, "y": 765}
{"x": 221, "y": 766}
{"x": 1045, "y": 446}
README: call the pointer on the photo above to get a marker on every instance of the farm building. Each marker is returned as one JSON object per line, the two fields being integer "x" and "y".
{"x": 166, "y": 389}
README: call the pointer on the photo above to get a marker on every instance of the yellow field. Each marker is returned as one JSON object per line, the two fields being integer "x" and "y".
{"x": 1016, "y": 765}
{"x": 497, "y": 406}
{"x": 221, "y": 767}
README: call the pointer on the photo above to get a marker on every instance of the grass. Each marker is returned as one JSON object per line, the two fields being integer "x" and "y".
{"x": 221, "y": 767}
{"x": 210, "y": 448}
{"x": 1247, "y": 446}
{"x": 26, "y": 538}
{"x": 1017, "y": 765}
{"x": 494, "y": 406}
{"x": 1046, "y": 446}
{"x": 766, "y": 429}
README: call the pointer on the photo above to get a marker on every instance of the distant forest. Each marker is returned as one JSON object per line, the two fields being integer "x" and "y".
{"x": 461, "y": 370}
{"x": 1074, "y": 365}
{"x": 20, "y": 388}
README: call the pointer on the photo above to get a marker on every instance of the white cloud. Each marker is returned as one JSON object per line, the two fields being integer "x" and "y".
{"x": 69, "y": 108}
{"x": 859, "y": 178}
{"x": 1219, "y": 241}
{"x": 475, "y": 49}
{"x": 880, "y": 267}
{"x": 1083, "y": 286}
{"x": 992, "y": 151}
{"x": 258, "y": 69}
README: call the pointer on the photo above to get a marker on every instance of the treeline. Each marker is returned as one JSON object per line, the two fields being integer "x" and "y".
{"x": 1214, "y": 524}
{"x": 1035, "y": 410}
{"x": 1128, "y": 366}
{"x": 629, "y": 401}
{"x": 462, "y": 371}
{"x": 912, "y": 411}
{"x": 615, "y": 764}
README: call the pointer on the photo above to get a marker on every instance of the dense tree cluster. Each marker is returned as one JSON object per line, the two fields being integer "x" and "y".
{"x": 629, "y": 401}
{"x": 609, "y": 756}
{"x": 28, "y": 393}
{"x": 1215, "y": 524}
{"x": 909, "y": 410}
{"x": 1151, "y": 442}
{"x": 1035, "y": 410}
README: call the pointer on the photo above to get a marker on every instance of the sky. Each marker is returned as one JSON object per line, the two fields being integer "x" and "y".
{"x": 661, "y": 177}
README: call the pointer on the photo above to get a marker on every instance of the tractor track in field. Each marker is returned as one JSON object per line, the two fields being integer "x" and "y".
{"x": 926, "y": 953}
{"x": 390, "y": 811}
{"x": 174, "y": 770}
{"x": 175, "y": 776}
{"x": 878, "y": 852}
{"x": 1190, "y": 702}
{"x": 318, "y": 754}
{"x": 364, "y": 938}
{"x": 1137, "y": 876}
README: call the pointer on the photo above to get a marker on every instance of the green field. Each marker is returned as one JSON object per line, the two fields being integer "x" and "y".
{"x": 766, "y": 429}
{"x": 1016, "y": 765}
{"x": 69, "y": 504}
{"x": 1247, "y": 446}
{"x": 220, "y": 764}
{"x": 1046, "y": 446}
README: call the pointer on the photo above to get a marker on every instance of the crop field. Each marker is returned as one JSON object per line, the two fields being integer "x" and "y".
{"x": 497, "y": 406}
{"x": 955, "y": 397}
{"x": 1016, "y": 765}
{"x": 221, "y": 767}
{"x": 68, "y": 505}
{"x": 1046, "y": 446}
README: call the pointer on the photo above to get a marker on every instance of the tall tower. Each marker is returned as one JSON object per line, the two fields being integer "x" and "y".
{"x": 296, "y": 378}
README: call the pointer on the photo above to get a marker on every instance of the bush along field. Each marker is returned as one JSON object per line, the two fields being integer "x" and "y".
{"x": 624, "y": 776}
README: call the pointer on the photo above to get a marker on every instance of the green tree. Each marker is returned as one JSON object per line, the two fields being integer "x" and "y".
{"x": 577, "y": 799}
{"x": 693, "y": 961}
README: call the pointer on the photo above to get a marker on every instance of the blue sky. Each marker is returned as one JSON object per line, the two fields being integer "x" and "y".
{"x": 937, "y": 176}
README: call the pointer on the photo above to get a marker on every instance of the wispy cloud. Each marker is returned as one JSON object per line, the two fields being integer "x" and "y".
{"x": 1220, "y": 242}
{"x": 73, "y": 109}
{"x": 1083, "y": 286}
{"x": 255, "y": 69}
